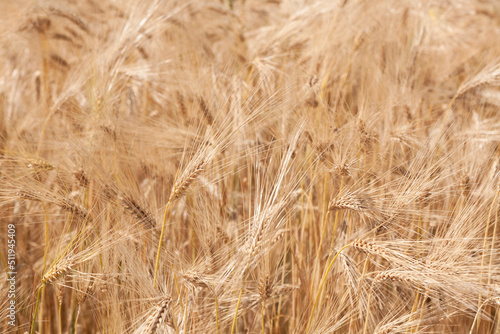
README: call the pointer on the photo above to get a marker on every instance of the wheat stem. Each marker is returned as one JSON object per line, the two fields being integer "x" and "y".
{"x": 365, "y": 327}
{"x": 157, "y": 262}
{"x": 323, "y": 231}
{"x": 46, "y": 225}
{"x": 233, "y": 327}
{"x": 484, "y": 249}
{"x": 323, "y": 281}
{"x": 32, "y": 331}
{"x": 335, "y": 224}
{"x": 216, "y": 312}
{"x": 262, "y": 317}
{"x": 59, "y": 318}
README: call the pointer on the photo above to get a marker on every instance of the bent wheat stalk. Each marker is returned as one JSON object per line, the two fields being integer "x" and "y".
{"x": 178, "y": 190}
{"x": 322, "y": 284}
{"x": 57, "y": 270}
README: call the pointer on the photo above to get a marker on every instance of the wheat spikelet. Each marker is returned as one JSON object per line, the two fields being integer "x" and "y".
{"x": 82, "y": 295}
{"x": 179, "y": 188}
{"x": 136, "y": 211}
{"x": 38, "y": 86}
{"x": 265, "y": 288}
{"x": 41, "y": 24}
{"x": 360, "y": 38}
{"x": 424, "y": 198}
{"x": 73, "y": 208}
{"x": 283, "y": 289}
{"x": 181, "y": 106}
{"x": 72, "y": 17}
{"x": 60, "y": 293}
{"x": 323, "y": 148}
{"x": 59, "y": 61}
{"x": 161, "y": 314}
{"x": 210, "y": 261}
{"x": 387, "y": 329}
{"x": 63, "y": 37}
{"x": 185, "y": 181}
{"x": 222, "y": 234}
{"x": 109, "y": 193}
{"x": 343, "y": 170}
{"x": 81, "y": 178}
{"x": 260, "y": 227}
{"x": 143, "y": 52}
{"x": 29, "y": 195}
{"x": 349, "y": 270}
{"x": 40, "y": 164}
{"x": 270, "y": 216}
{"x": 193, "y": 279}
{"x": 57, "y": 270}
{"x": 466, "y": 185}
{"x": 349, "y": 202}
{"x": 278, "y": 236}
{"x": 262, "y": 222}
{"x": 403, "y": 277}
{"x": 268, "y": 289}
{"x": 256, "y": 239}
{"x": 369, "y": 247}
{"x": 206, "y": 111}
{"x": 393, "y": 276}
{"x": 489, "y": 75}
{"x": 367, "y": 138}
{"x": 110, "y": 131}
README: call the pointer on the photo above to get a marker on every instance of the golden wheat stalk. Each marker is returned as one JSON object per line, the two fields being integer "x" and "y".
{"x": 179, "y": 188}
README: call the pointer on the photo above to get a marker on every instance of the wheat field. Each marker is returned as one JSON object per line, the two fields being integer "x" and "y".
{"x": 258, "y": 166}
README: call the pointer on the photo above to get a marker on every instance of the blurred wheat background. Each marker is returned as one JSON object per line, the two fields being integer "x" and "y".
{"x": 251, "y": 166}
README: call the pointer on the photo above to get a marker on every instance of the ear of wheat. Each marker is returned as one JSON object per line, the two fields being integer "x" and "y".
{"x": 161, "y": 315}
{"x": 186, "y": 179}
{"x": 358, "y": 204}
{"x": 58, "y": 269}
{"x": 136, "y": 211}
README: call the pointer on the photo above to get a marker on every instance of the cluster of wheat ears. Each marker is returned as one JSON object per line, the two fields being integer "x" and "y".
{"x": 279, "y": 166}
